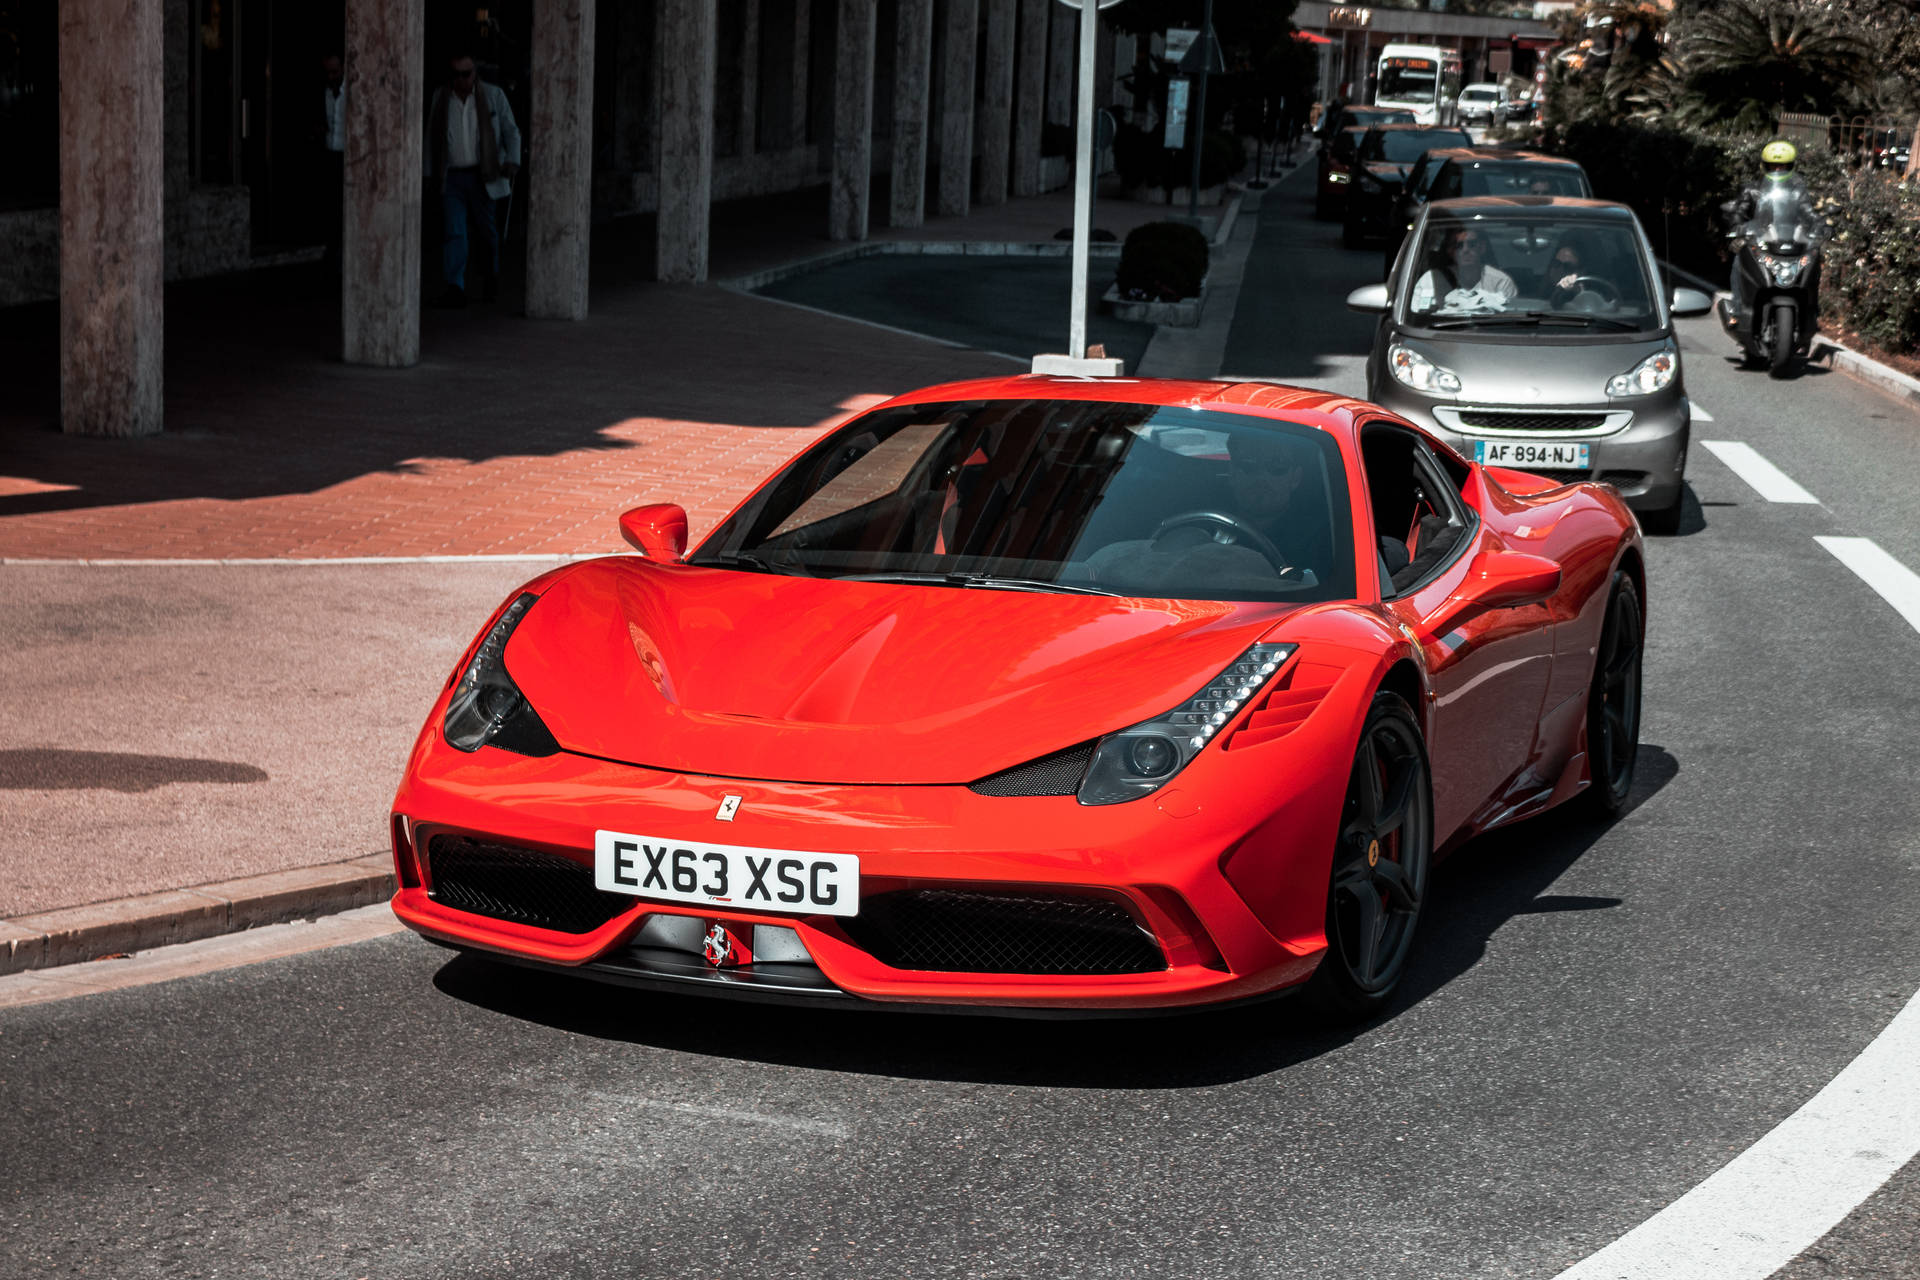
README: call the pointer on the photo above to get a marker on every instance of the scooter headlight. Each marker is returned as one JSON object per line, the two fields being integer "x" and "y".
{"x": 1412, "y": 369}
{"x": 1785, "y": 270}
{"x": 1653, "y": 374}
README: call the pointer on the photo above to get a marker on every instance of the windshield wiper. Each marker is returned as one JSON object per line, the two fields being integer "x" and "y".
{"x": 746, "y": 560}
{"x": 1579, "y": 318}
{"x": 989, "y": 581}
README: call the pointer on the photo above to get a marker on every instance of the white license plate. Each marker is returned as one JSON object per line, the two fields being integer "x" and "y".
{"x": 1530, "y": 453}
{"x": 726, "y": 875}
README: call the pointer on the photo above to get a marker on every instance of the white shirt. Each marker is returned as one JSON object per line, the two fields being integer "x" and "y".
{"x": 463, "y": 132}
{"x": 1492, "y": 293}
{"x": 336, "y": 118}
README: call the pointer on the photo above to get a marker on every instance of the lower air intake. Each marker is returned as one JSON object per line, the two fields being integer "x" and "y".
{"x": 524, "y": 886}
{"x": 957, "y": 931}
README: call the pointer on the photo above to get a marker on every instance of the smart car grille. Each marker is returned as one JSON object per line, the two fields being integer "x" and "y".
{"x": 1055, "y": 775}
{"x": 522, "y": 885}
{"x": 959, "y": 931}
{"x": 1532, "y": 421}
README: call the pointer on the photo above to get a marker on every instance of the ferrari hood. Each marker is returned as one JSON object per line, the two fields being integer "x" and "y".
{"x": 753, "y": 675}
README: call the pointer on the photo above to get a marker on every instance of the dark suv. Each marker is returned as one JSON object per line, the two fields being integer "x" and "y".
{"x": 1336, "y": 154}
{"x": 1386, "y": 153}
{"x": 1458, "y": 172}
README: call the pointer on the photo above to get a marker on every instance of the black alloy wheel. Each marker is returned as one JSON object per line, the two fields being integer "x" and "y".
{"x": 1380, "y": 867}
{"x": 1613, "y": 701}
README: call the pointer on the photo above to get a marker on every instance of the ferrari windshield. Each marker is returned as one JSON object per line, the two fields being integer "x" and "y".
{"x": 1058, "y": 495}
{"x": 1542, "y": 268}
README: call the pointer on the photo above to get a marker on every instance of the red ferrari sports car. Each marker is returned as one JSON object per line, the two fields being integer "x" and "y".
{"x": 1034, "y": 695}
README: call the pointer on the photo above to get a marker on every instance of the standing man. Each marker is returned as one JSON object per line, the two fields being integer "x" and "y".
{"x": 473, "y": 152}
{"x": 333, "y": 155}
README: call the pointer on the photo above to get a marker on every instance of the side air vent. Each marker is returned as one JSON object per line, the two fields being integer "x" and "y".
{"x": 1292, "y": 698}
{"x": 1055, "y": 775}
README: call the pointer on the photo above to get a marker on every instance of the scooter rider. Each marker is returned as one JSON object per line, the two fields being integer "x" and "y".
{"x": 1781, "y": 200}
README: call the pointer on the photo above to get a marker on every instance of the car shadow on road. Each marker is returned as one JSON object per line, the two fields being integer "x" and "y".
{"x": 1489, "y": 882}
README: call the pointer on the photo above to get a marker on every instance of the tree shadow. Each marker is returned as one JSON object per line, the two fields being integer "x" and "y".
{"x": 54, "y": 769}
{"x": 1487, "y": 883}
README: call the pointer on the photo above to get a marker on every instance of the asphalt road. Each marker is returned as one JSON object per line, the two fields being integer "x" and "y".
{"x": 1598, "y": 1017}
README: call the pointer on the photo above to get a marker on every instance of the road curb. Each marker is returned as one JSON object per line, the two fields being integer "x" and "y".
{"x": 74, "y": 935}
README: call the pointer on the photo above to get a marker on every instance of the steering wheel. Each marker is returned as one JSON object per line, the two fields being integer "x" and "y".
{"x": 1241, "y": 533}
{"x": 1593, "y": 284}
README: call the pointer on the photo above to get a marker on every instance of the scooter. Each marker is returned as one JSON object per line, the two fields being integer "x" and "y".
{"x": 1776, "y": 291}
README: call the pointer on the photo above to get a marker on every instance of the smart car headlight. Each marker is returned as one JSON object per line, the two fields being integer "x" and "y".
{"x": 1138, "y": 760}
{"x": 487, "y": 707}
{"x": 1650, "y": 375}
{"x": 1412, "y": 369}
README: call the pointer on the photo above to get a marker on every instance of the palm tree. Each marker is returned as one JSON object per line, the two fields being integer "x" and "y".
{"x": 1748, "y": 59}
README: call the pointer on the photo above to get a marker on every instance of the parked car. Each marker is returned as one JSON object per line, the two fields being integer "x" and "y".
{"x": 1386, "y": 153}
{"x": 1338, "y": 135}
{"x": 1481, "y": 171}
{"x": 1480, "y": 103}
{"x": 1519, "y": 109}
{"x": 1033, "y": 695}
{"x": 1534, "y": 332}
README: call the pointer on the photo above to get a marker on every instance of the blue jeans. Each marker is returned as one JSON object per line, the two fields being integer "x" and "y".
{"x": 466, "y": 210}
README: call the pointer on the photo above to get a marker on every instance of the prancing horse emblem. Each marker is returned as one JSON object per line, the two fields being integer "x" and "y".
{"x": 729, "y": 805}
{"x": 718, "y": 948}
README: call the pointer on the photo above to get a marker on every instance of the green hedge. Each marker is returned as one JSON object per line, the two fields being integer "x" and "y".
{"x": 1162, "y": 262}
{"x": 1676, "y": 179}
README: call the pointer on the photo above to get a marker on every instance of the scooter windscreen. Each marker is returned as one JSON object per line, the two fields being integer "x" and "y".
{"x": 1783, "y": 219}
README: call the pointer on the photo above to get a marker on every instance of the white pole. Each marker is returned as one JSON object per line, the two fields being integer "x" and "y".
{"x": 1083, "y": 181}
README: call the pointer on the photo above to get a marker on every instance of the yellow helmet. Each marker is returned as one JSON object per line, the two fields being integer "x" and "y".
{"x": 1778, "y": 156}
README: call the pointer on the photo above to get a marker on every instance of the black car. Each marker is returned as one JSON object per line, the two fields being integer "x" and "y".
{"x": 1386, "y": 154}
{"x": 1338, "y": 132}
{"x": 1458, "y": 172}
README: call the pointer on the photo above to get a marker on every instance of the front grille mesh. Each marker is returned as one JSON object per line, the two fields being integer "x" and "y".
{"x": 522, "y": 885}
{"x": 1531, "y": 421}
{"x": 1055, "y": 775}
{"x": 960, "y": 931}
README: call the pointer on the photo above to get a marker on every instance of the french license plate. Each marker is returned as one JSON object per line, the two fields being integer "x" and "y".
{"x": 726, "y": 875}
{"x": 1530, "y": 453}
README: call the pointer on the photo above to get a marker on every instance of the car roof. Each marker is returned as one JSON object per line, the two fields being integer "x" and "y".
{"x": 1276, "y": 398}
{"x": 1596, "y": 209}
{"x": 1497, "y": 155}
{"x": 1413, "y": 126}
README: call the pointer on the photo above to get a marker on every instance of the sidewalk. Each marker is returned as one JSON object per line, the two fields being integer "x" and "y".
{"x": 189, "y": 748}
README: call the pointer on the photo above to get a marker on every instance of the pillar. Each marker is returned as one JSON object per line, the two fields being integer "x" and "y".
{"x": 686, "y": 73}
{"x": 111, "y": 217}
{"x": 750, "y": 78}
{"x": 380, "y": 232}
{"x": 1030, "y": 95}
{"x": 996, "y": 103}
{"x": 852, "y": 178}
{"x": 802, "y": 58}
{"x": 560, "y": 155}
{"x": 957, "y": 39}
{"x": 1061, "y": 73}
{"x": 912, "y": 93}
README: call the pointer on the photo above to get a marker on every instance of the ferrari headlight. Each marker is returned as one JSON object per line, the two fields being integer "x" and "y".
{"x": 1412, "y": 369}
{"x": 1650, "y": 375}
{"x": 487, "y": 707}
{"x": 1137, "y": 761}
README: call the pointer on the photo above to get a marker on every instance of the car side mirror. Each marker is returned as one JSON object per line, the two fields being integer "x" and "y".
{"x": 658, "y": 531}
{"x": 1690, "y": 302}
{"x": 1496, "y": 580}
{"x": 1369, "y": 297}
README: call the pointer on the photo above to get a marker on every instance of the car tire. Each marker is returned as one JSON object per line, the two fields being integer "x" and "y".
{"x": 1613, "y": 701}
{"x": 1664, "y": 521}
{"x": 1381, "y": 861}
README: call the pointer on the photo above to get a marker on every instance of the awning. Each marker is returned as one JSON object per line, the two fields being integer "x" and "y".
{"x": 1311, "y": 38}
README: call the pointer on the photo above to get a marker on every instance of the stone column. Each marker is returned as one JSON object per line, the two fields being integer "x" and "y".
{"x": 912, "y": 92}
{"x": 380, "y": 236}
{"x": 957, "y": 40}
{"x": 852, "y": 179}
{"x": 750, "y": 78}
{"x": 1030, "y": 95}
{"x": 178, "y": 25}
{"x": 1061, "y": 64}
{"x": 633, "y": 124}
{"x": 112, "y": 223}
{"x": 996, "y": 103}
{"x": 560, "y": 160}
{"x": 802, "y": 53}
{"x": 687, "y": 52}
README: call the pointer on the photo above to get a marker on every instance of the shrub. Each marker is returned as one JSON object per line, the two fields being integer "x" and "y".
{"x": 1162, "y": 262}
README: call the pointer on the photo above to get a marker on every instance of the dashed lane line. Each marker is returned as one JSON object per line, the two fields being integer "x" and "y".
{"x": 1769, "y": 481}
{"x": 1898, "y": 585}
{"x": 1697, "y": 412}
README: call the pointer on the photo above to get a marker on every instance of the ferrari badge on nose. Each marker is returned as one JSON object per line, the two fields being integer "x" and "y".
{"x": 729, "y": 805}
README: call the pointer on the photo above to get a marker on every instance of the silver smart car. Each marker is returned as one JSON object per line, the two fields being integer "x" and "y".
{"x": 1531, "y": 332}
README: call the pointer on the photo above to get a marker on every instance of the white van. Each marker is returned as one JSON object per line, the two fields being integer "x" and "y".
{"x": 1481, "y": 103}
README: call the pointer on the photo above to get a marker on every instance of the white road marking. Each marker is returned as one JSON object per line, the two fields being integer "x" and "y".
{"x": 1786, "y": 1191}
{"x": 1769, "y": 481}
{"x": 1898, "y": 585}
{"x": 1697, "y": 412}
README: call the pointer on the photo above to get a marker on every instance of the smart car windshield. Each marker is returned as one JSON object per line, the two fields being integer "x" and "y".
{"x": 1059, "y": 495}
{"x": 1542, "y": 268}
